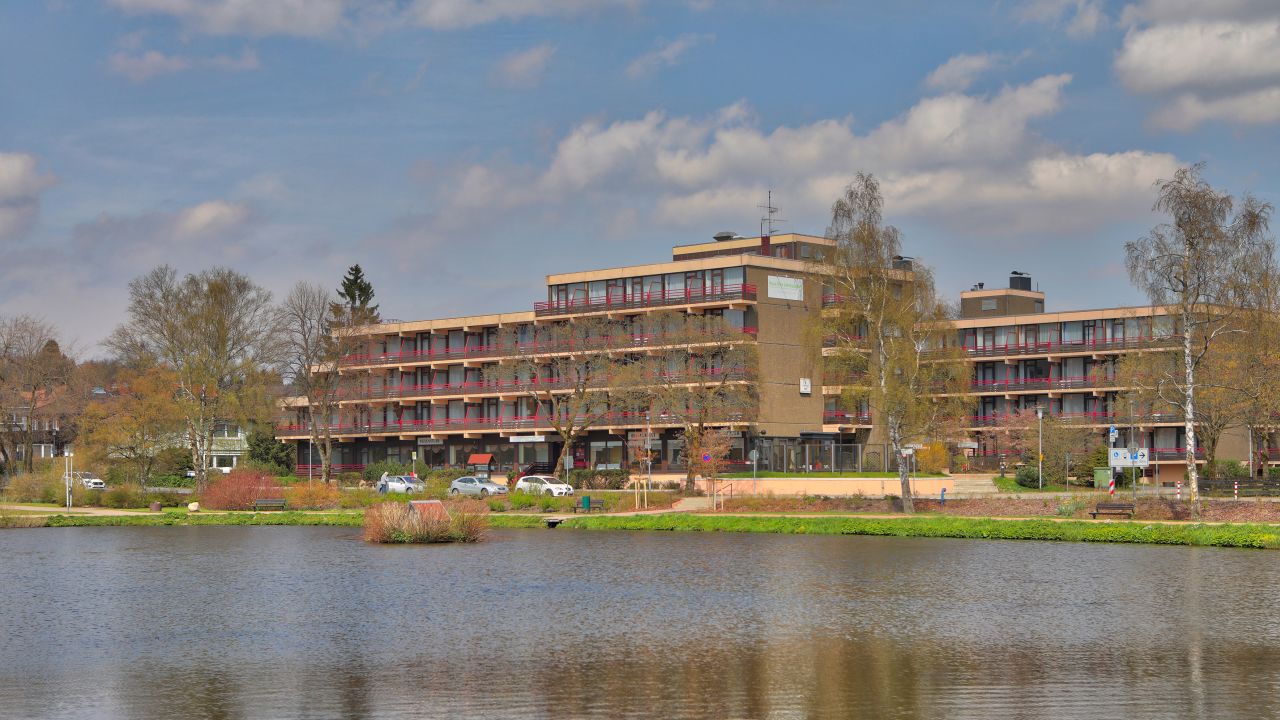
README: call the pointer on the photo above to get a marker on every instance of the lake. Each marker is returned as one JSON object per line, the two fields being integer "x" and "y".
{"x": 291, "y": 622}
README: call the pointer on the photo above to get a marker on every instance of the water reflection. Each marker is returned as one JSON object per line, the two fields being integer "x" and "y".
{"x": 311, "y": 623}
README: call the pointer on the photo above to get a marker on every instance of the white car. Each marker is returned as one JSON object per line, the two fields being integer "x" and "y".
{"x": 471, "y": 485}
{"x": 91, "y": 481}
{"x": 400, "y": 484}
{"x": 543, "y": 485}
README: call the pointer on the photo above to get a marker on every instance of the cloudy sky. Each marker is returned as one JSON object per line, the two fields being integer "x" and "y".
{"x": 462, "y": 149}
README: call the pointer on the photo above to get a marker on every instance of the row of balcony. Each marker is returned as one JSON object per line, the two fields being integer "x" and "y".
{"x": 630, "y": 341}
{"x": 510, "y": 387}
{"x": 1082, "y": 382}
{"x": 1160, "y": 453}
{"x": 1084, "y": 418}
{"x": 639, "y": 301}
{"x": 1052, "y": 347}
{"x": 473, "y": 424}
{"x": 846, "y": 417}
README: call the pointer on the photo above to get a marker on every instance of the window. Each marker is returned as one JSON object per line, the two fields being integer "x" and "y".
{"x": 988, "y": 304}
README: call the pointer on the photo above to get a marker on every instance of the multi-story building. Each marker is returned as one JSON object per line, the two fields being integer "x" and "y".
{"x": 425, "y": 386}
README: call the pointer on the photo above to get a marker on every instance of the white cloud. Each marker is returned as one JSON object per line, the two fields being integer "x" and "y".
{"x": 1083, "y": 17}
{"x": 21, "y": 185}
{"x": 142, "y": 67}
{"x": 971, "y": 164}
{"x": 250, "y": 17}
{"x": 525, "y": 69}
{"x": 208, "y": 218}
{"x": 152, "y": 63}
{"x": 318, "y": 18}
{"x": 959, "y": 72}
{"x": 666, "y": 54}
{"x": 1204, "y": 62}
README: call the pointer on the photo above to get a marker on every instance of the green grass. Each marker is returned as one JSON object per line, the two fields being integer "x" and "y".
{"x": 1239, "y": 536}
{"x": 837, "y": 475}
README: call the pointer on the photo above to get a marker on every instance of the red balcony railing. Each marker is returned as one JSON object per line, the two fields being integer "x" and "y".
{"x": 380, "y": 427}
{"x": 304, "y": 468}
{"x": 630, "y": 301}
{"x": 1087, "y": 418}
{"x": 1066, "y": 346}
{"x": 1175, "y": 453}
{"x": 830, "y": 299}
{"x": 474, "y": 352}
{"x": 1048, "y": 383}
{"x": 846, "y": 417}
{"x": 492, "y": 387}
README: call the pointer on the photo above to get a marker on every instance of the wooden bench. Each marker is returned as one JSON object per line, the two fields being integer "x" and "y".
{"x": 591, "y": 504}
{"x": 1112, "y": 509}
{"x": 268, "y": 504}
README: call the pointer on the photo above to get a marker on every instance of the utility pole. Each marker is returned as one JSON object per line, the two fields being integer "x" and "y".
{"x": 1040, "y": 456}
{"x": 1133, "y": 453}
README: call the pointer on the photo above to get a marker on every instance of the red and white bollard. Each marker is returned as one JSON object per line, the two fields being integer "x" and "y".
{"x": 1179, "y": 496}
{"x": 1237, "y": 489}
{"x": 1111, "y": 486}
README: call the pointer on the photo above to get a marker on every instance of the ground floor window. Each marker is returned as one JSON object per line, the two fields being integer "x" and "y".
{"x": 606, "y": 455}
{"x": 224, "y": 461}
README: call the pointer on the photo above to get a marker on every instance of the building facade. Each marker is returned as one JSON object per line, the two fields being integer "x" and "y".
{"x": 426, "y": 390}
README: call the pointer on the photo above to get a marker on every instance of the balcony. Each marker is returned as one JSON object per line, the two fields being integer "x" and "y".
{"x": 1088, "y": 418}
{"x": 1072, "y": 346}
{"x": 846, "y": 417}
{"x": 631, "y": 341}
{"x": 1041, "y": 384}
{"x": 475, "y": 424}
{"x": 642, "y": 301}
{"x": 509, "y": 387}
{"x": 1174, "y": 453}
{"x": 832, "y": 299}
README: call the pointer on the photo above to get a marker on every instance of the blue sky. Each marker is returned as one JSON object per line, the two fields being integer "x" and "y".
{"x": 462, "y": 149}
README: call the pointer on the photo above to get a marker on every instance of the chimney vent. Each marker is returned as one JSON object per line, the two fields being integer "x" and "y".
{"x": 724, "y": 235}
{"x": 1019, "y": 280}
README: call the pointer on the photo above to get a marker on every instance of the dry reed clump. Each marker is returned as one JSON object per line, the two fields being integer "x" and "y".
{"x": 399, "y": 523}
{"x": 15, "y": 520}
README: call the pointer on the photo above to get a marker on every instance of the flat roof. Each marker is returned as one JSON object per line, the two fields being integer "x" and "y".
{"x": 1062, "y": 316}
{"x": 704, "y": 263}
{"x": 746, "y": 242}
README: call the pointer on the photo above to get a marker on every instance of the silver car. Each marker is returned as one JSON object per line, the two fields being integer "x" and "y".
{"x": 470, "y": 485}
{"x": 400, "y": 484}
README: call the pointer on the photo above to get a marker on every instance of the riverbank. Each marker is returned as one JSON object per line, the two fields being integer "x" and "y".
{"x": 1154, "y": 533}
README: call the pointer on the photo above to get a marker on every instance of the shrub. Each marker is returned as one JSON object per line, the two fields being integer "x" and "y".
{"x": 932, "y": 458}
{"x": 586, "y": 479}
{"x": 550, "y": 503}
{"x": 171, "y": 481}
{"x": 239, "y": 489}
{"x": 523, "y": 501}
{"x": 122, "y": 496}
{"x": 173, "y": 461}
{"x": 399, "y": 523}
{"x": 1232, "y": 469}
{"x": 959, "y": 463}
{"x": 497, "y": 505}
{"x": 317, "y": 496}
{"x": 1028, "y": 477}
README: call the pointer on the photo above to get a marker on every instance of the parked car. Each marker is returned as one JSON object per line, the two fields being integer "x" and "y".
{"x": 400, "y": 484}
{"x": 470, "y": 485}
{"x": 90, "y": 481}
{"x": 543, "y": 485}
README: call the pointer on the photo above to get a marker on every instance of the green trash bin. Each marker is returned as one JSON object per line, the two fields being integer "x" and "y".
{"x": 586, "y": 503}
{"x": 1102, "y": 477}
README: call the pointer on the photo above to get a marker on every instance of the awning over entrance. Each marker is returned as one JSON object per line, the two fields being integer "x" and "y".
{"x": 480, "y": 459}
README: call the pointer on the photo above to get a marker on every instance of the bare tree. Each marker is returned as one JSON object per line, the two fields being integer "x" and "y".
{"x": 135, "y": 422}
{"x": 218, "y": 333}
{"x": 34, "y": 379}
{"x": 888, "y": 326}
{"x": 1206, "y": 265}
{"x": 320, "y": 331}
{"x": 701, "y": 378}
{"x": 580, "y": 383}
{"x": 1062, "y": 442}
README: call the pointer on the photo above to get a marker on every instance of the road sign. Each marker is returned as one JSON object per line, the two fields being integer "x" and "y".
{"x": 1113, "y": 434}
{"x": 1123, "y": 457}
{"x": 753, "y": 455}
{"x": 706, "y": 457}
{"x": 915, "y": 446}
{"x": 908, "y": 451}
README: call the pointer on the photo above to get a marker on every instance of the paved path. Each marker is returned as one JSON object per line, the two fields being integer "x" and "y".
{"x": 33, "y": 510}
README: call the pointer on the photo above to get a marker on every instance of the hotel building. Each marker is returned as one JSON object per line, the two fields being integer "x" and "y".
{"x": 425, "y": 386}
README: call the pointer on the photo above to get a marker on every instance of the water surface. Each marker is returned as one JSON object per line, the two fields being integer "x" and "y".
{"x": 249, "y": 622}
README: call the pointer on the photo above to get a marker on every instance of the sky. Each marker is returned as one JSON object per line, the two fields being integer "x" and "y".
{"x": 461, "y": 150}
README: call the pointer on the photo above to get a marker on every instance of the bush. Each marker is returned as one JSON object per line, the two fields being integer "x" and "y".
{"x": 932, "y": 458}
{"x": 41, "y": 487}
{"x": 523, "y": 501}
{"x": 239, "y": 489}
{"x": 121, "y": 497}
{"x": 173, "y": 461}
{"x": 497, "y": 505}
{"x": 1231, "y": 469}
{"x": 317, "y": 496}
{"x": 171, "y": 481}
{"x": 1028, "y": 477}
{"x": 959, "y": 463}
{"x": 586, "y": 479}
{"x": 399, "y": 523}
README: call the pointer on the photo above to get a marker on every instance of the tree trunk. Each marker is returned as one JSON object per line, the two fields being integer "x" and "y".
{"x": 1188, "y": 411}
{"x": 904, "y": 476}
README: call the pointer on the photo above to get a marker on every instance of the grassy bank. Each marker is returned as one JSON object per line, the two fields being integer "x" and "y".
{"x": 1241, "y": 536}
{"x": 343, "y": 519}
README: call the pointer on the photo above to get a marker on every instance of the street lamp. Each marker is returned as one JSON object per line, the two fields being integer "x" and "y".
{"x": 70, "y": 465}
{"x": 1040, "y": 456}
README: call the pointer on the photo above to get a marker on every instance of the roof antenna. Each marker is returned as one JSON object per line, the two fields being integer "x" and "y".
{"x": 766, "y": 222}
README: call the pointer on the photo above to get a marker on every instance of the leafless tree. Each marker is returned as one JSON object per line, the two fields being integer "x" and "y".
{"x": 219, "y": 334}
{"x": 34, "y": 379}
{"x": 888, "y": 326}
{"x": 1207, "y": 265}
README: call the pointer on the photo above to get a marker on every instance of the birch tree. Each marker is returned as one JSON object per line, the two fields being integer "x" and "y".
{"x": 1207, "y": 265}
{"x": 34, "y": 379}
{"x": 889, "y": 325}
{"x": 218, "y": 333}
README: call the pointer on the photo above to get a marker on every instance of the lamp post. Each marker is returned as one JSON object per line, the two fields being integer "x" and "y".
{"x": 1040, "y": 455}
{"x": 70, "y": 471}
